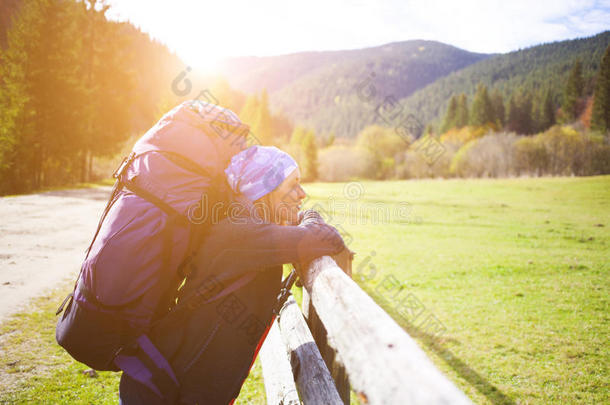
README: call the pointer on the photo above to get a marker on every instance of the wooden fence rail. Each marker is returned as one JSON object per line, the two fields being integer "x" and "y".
{"x": 362, "y": 346}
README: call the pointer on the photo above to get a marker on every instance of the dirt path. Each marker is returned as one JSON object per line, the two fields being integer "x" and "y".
{"x": 43, "y": 238}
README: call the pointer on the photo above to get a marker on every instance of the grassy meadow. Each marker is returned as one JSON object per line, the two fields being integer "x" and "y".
{"x": 513, "y": 272}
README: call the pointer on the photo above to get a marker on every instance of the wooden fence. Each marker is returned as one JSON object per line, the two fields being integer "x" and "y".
{"x": 343, "y": 340}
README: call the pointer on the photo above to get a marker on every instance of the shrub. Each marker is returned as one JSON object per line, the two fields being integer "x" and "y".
{"x": 465, "y": 134}
{"x": 342, "y": 163}
{"x": 489, "y": 156}
{"x": 385, "y": 147}
{"x": 531, "y": 156}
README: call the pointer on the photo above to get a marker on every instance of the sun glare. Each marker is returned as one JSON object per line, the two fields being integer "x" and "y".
{"x": 201, "y": 60}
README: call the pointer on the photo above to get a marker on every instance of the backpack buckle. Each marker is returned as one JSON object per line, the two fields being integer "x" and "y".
{"x": 124, "y": 165}
{"x": 63, "y": 304}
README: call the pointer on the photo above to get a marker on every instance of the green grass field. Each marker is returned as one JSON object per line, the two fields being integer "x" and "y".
{"x": 514, "y": 272}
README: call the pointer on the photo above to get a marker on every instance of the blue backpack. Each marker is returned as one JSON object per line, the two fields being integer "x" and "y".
{"x": 154, "y": 219}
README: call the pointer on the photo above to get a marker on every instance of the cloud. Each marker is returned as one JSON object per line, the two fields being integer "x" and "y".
{"x": 503, "y": 26}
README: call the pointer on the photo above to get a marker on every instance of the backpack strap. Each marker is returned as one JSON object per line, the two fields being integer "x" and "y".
{"x": 184, "y": 162}
{"x": 282, "y": 297}
{"x": 143, "y": 362}
{"x": 167, "y": 234}
{"x": 145, "y": 191}
{"x": 116, "y": 189}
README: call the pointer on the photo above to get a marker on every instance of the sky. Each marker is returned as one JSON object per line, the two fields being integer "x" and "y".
{"x": 204, "y": 32}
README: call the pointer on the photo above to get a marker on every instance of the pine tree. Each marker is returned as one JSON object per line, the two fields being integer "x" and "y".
{"x": 462, "y": 114}
{"x": 547, "y": 117}
{"x": 298, "y": 135}
{"x": 572, "y": 93}
{"x": 330, "y": 139}
{"x": 249, "y": 111}
{"x": 451, "y": 115}
{"x": 526, "y": 109}
{"x": 520, "y": 113}
{"x": 497, "y": 103}
{"x": 482, "y": 111}
{"x": 59, "y": 104}
{"x": 41, "y": 61}
{"x": 601, "y": 102}
{"x": 110, "y": 84}
{"x": 296, "y": 144}
{"x": 512, "y": 119}
{"x": 12, "y": 99}
{"x": 68, "y": 79}
{"x": 16, "y": 125}
{"x": 310, "y": 154}
{"x": 263, "y": 125}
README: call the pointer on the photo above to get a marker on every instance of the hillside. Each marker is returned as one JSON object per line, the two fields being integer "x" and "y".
{"x": 340, "y": 90}
{"x": 537, "y": 67}
{"x": 320, "y": 89}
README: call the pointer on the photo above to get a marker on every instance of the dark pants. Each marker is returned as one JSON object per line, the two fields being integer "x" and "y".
{"x": 132, "y": 392}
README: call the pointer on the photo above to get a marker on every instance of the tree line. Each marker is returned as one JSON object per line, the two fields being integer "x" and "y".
{"x": 74, "y": 86}
{"x": 531, "y": 70}
{"x": 529, "y": 135}
{"x": 78, "y": 87}
{"x": 527, "y": 113}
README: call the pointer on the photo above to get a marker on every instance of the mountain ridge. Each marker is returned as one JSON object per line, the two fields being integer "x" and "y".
{"x": 309, "y": 87}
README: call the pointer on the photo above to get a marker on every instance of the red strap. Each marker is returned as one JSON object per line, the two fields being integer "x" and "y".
{"x": 258, "y": 347}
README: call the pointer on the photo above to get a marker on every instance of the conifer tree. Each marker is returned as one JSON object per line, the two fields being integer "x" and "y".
{"x": 547, "y": 118}
{"x": 462, "y": 114}
{"x": 526, "y": 107}
{"x": 310, "y": 154}
{"x": 13, "y": 97}
{"x": 497, "y": 103}
{"x": 249, "y": 111}
{"x": 42, "y": 95}
{"x": 520, "y": 113}
{"x": 572, "y": 93}
{"x": 600, "y": 119}
{"x": 451, "y": 115}
{"x": 330, "y": 139}
{"x": 512, "y": 119}
{"x": 67, "y": 90}
{"x": 263, "y": 125}
{"x": 296, "y": 144}
{"x": 110, "y": 84}
{"x": 298, "y": 134}
{"x": 482, "y": 111}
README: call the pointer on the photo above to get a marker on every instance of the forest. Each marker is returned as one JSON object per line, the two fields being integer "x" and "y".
{"x": 77, "y": 89}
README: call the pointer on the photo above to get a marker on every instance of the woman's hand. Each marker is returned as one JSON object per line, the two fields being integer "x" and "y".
{"x": 310, "y": 216}
{"x": 313, "y": 219}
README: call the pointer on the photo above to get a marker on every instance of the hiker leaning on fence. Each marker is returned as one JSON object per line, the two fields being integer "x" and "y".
{"x": 230, "y": 297}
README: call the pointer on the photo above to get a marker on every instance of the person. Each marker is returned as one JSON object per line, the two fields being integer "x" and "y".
{"x": 235, "y": 279}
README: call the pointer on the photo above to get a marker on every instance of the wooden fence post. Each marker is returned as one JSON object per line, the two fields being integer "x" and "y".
{"x": 344, "y": 260}
{"x": 384, "y": 364}
{"x": 277, "y": 373}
